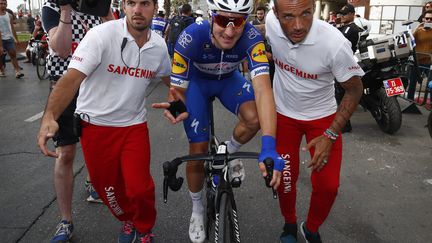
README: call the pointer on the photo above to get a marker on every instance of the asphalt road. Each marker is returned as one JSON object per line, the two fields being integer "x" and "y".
{"x": 385, "y": 193}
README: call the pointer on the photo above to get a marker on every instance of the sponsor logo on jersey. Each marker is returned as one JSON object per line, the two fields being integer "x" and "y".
{"x": 179, "y": 64}
{"x": 232, "y": 56}
{"x": 130, "y": 71}
{"x": 294, "y": 70}
{"x": 179, "y": 82}
{"x": 258, "y": 53}
{"x": 217, "y": 68}
{"x": 260, "y": 70}
{"x": 252, "y": 33}
{"x": 208, "y": 56}
{"x": 184, "y": 39}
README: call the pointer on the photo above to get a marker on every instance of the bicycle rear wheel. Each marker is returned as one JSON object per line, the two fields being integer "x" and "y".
{"x": 226, "y": 227}
{"x": 41, "y": 67}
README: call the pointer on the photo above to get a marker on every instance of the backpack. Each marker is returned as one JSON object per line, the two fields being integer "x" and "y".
{"x": 177, "y": 25}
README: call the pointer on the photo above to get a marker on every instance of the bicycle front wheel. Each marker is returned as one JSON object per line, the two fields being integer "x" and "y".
{"x": 226, "y": 227}
{"x": 41, "y": 67}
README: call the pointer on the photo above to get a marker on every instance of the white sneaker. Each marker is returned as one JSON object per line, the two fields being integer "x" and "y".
{"x": 196, "y": 228}
{"x": 237, "y": 169}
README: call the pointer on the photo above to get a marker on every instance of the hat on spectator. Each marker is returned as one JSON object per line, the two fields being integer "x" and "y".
{"x": 348, "y": 8}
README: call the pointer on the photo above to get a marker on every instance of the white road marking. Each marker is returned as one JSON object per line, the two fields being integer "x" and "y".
{"x": 35, "y": 117}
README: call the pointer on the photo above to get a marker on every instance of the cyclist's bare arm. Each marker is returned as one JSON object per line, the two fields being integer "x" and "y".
{"x": 62, "y": 94}
{"x": 267, "y": 116}
{"x": 265, "y": 104}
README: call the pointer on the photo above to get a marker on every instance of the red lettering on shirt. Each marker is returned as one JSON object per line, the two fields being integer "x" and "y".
{"x": 79, "y": 59}
{"x": 110, "y": 68}
{"x": 74, "y": 46}
{"x": 295, "y": 71}
{"x": 354, "y": 68}
{"x": 133, "y": 72}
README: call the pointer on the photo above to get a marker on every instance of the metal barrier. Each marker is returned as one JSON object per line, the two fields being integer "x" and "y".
{"x": 419, "y": 77}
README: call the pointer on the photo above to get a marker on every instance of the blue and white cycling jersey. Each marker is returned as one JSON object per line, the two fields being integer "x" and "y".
{"x": 159, "y": 25}
{"x": 195, "y": 55}
{"x": 207, "y": 71}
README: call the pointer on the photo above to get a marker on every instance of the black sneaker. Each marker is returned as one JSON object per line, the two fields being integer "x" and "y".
{"x": 289, "y": 234}
{"x": 309, "y": 236}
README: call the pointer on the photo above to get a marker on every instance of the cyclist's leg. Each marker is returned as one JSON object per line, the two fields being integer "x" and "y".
{"x": 288, "y": 138}
{"x": 196, "y": 127}
{"x": 325, "y": 183}
{"x": 238, "y": 97}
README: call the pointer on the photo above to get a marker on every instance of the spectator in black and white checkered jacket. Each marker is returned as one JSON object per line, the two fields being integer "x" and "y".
{"x": 66, "y": 28}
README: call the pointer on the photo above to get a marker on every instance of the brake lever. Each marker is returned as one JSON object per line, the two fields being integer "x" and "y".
{"x": 268, "y": 162}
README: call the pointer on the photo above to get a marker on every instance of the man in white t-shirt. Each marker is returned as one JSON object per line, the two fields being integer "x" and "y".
{"x": 111, "y": 69}
{"x": 309, "y": 54}
{"x": 8, "y": 38}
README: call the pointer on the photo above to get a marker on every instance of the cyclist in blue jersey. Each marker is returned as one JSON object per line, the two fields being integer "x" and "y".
{"x": 159, "y": 23}
{"x": 205, "y": 64}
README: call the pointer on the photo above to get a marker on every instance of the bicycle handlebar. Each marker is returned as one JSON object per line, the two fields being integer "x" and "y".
{"x": 175, "y": 183}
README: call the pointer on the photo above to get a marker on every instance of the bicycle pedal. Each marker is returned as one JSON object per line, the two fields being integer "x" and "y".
{"x": 236, "y": 182}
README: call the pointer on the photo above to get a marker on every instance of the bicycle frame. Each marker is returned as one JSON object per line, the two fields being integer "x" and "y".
{"x": 216, "y": 165}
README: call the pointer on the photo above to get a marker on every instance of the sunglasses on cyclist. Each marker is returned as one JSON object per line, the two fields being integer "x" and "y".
{"x": 224, "y": 21}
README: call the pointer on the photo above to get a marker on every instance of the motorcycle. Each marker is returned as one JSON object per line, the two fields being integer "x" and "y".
{"x": 383, "y": 60}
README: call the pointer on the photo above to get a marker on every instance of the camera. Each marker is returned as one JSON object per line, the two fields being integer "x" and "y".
{"x": 93, "y": 7}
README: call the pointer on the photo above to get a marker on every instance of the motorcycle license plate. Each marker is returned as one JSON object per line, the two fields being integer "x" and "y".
{"x": 393, "y": 87}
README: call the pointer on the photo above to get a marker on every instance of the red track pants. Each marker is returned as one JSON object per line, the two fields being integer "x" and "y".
{"x": 324, "y": 183}
{"x": 118, "y": 162}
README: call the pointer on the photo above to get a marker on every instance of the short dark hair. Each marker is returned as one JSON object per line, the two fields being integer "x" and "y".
{"x": 261, "y": 7}
{"x": 186, "y": 8}
{"x": 428, "y": 12}
{"x": 275, "y": 3}
{"x": 154, "y": 1}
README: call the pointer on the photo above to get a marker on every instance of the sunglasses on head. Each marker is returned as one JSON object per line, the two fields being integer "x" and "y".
{"x": 224, "y": 21}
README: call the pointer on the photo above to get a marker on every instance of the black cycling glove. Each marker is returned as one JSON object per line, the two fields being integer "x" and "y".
{"x": 176, "y": 108}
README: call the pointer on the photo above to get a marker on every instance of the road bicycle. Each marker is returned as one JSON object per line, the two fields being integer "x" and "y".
{"x": 40, "y": 52}
{"x": 221, "y": 208}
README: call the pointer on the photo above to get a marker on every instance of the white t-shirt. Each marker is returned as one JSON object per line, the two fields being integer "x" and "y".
{"x": 305, "y": 72}
{"x": 113, "y": 94}
{"x": 5, "y": 27}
